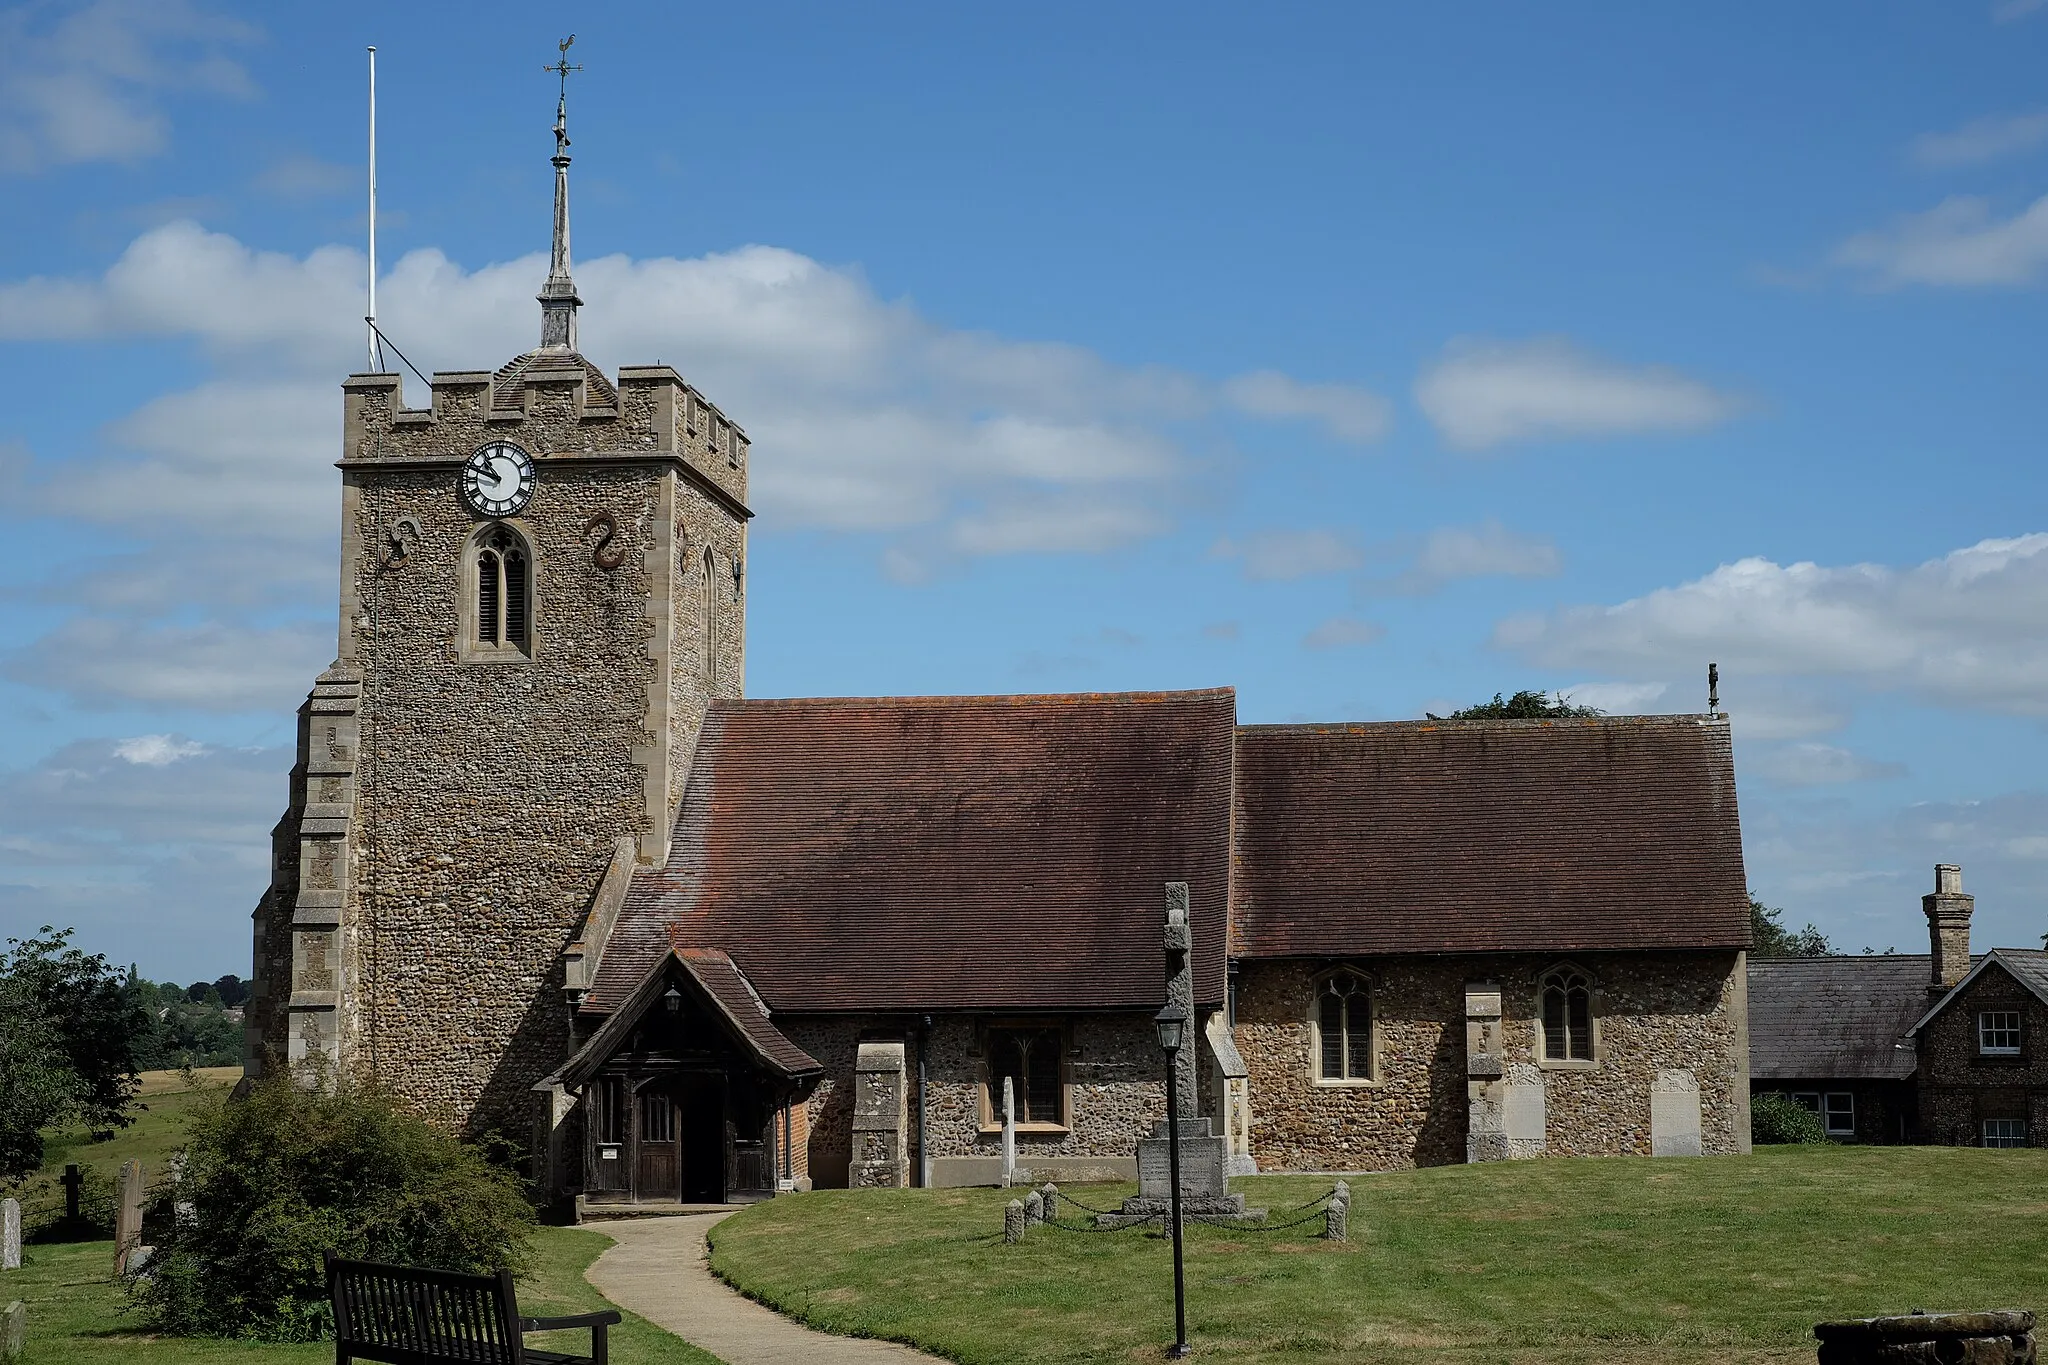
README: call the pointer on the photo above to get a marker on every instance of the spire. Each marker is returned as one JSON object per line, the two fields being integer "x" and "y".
{"x": 558, "y": 300}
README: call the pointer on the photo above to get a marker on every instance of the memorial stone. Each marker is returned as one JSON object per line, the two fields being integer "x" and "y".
{"x": 10, "y": 1234}
{"x": 127, "y": 1213}
{"x": 71, "y": 1181}
{"x": 1009, "y": 1131}
{"x": 13, "y": 1331}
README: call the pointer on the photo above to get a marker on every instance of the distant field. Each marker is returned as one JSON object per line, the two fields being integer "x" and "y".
{"x": 1721, "y": 1259}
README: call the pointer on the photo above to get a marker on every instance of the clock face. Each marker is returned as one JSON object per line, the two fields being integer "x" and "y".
{"x": 497, "y": 481}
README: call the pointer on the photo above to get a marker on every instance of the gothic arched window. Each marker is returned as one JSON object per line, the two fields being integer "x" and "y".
{"x": 1343, "y": 1029}
{"x": 502, "y": 611}
{"x": 707, "y": 627}
{"x": 1567, "y": 1000}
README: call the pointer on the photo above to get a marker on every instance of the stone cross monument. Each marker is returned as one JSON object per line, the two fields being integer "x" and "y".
{"x": 1180, "y": 990}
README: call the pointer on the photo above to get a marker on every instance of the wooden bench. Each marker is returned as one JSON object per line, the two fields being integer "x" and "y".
{"x": 403, "y": 1316}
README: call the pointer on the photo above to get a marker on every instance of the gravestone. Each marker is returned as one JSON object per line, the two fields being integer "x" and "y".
{"x": 1522, "y": 1111}
{"x": 2002, "y": 1337}
{"x": 1486, "y": 1134}
{"x": 71, "y": 1181}
{"x": 127, "y": 1213}
{"x": 1009, "y": 1131}
{"x": 881, "y": 1114}
{"x": 13, "y": 1331}
{"x": 1674, "y": 1114}
{"x": 1204, "y": 1155}
{"x": 182, "y": 1211}
{"x": 10, "y": 1234}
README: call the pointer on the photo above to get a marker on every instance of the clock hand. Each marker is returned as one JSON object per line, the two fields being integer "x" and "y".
{"x": 489, "y": 470}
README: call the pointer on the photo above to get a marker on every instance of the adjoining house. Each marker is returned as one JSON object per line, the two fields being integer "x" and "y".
{"x": 1938, "y": 1047}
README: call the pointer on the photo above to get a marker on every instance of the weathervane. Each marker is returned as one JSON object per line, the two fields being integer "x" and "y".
{"x": 562, "y": 68}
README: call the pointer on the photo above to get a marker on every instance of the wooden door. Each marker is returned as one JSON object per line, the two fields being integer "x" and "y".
{"x": 659, "y": 1173}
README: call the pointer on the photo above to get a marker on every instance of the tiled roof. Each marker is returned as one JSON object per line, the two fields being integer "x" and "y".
{"x": 719, "y": 981}
{"x": 925, "y": 853}
{"x": 505, "y": 384}
{"x": 1835, "y": 1018}
{"x": 1484, "y": 836}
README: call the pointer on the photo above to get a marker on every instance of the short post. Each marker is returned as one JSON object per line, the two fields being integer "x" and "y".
{"x": 10, "y": 1234}
{"x": 71, "y": 1181}
{"x": 1034, "y": 1209}
{"x": 1170, "y": 1022}
{"x": 1013, "y": 1221}
{"x": 1337, "y": 1219}
{"x": 1009, "y": 1131}
{"x": 13, "y": 1331}
{"x": 1050, "y": 1194}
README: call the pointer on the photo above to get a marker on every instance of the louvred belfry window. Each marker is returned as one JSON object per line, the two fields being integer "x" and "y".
{"x": 1567, "y": 1017}
{"x": 504, "y": 590}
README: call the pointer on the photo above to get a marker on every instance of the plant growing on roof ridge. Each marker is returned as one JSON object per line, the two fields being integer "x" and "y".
{"x": 1524, "y": 705}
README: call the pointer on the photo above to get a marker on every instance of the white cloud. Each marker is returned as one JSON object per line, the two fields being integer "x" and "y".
{"x": 1957, "y": 242}
{"x": 1615, "y": 698}
{"x": 1811, "y": 764}
{"x": 88, "y": 86}
{"x": 89, "y": 834}
{"x": 1967, "y": 630}
{"x": 157, "y": 751}
{"x": 209, "y": 666}
{"x": 1984, "y": 139}
{"x": 1343, "y": 632}
{"x": 2006, "y": 11}
{"x": 1349, "y": 414}
{"x": 1483, "y": 394}
{"x": 1279, "y": 555}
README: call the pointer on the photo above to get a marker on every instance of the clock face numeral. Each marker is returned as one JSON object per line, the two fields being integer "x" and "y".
{"x": 497, "y": 481}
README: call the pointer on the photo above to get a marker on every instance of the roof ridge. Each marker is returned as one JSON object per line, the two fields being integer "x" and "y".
{"x": 1676, "y": 718}
{"x": 952, "y": 699}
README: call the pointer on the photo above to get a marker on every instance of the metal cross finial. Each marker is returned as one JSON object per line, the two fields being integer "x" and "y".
{"x": 562, "y": 68}
{"x": 1713, "y": 689}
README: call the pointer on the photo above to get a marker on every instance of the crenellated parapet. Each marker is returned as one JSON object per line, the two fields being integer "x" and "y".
{"x": 558, "y": 405}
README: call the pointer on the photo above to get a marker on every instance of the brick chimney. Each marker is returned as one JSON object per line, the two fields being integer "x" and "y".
{"x": 1948, "y": 927}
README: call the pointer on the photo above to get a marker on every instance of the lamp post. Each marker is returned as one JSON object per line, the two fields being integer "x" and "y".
{"x": 1171, "y": 1021}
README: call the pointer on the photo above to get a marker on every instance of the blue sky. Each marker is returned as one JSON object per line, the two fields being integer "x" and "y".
{"x": 1368, "y": 359}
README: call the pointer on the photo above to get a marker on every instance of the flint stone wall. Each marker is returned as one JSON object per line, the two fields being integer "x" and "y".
{"x": 1653, "y": 1012}
{"x": 1116, "y": 1090}
{"x": 487, "y": 794}
{"x": 1960, "y": 1089}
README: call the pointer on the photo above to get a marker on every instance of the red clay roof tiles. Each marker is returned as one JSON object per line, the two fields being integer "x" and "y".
{"x": 933, "y": 853}
{"x": 1481, "y": 836}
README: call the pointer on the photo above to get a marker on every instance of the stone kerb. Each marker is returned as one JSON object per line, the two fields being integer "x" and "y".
{"x": 1997, "y": 1337}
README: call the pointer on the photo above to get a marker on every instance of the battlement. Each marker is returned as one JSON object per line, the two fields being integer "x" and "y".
{"x": 554, "y": 403}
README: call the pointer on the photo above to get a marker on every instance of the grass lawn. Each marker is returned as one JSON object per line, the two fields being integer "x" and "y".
{"x": 1722, "y": 1259}
{"x": 77, "y": 1310}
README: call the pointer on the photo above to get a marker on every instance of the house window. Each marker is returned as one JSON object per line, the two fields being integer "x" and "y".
{"x": 1998, "y": 1033}
{"x": 504, "y": 590}
{"x": 1344, "y": 1029}
{"x": 1567, "y": 1016}
{"x": 2005, "y": 1132}
{"x": 1029, "y": 1058}
{"x": 1839, "y": 1114}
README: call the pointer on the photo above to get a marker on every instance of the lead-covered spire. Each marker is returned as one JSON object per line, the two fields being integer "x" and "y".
{"x": 558, "y": 298}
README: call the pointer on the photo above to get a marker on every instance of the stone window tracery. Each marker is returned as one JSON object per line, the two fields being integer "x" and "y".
{"x": 502, "y": 607}
{"x": 1343, "y": 1029}
{"x": 1567, "y": 1023}
{"x": 1030, "y": 1058}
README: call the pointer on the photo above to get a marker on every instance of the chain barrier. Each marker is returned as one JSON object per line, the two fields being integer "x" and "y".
{"x": 1127, "y": 1221}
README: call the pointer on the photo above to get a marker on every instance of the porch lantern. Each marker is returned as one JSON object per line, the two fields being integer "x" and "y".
{"x": 1170, "y": 1021}
{"x": 672, "y": 999}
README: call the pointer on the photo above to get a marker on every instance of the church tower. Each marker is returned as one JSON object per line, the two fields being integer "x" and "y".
{"x": 542, "y": 587}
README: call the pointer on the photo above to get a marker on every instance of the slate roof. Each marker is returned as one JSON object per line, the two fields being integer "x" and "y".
{"x": 2028, "y": 966}
{"x": 1835, "y": 1018}
{"x": 1488, "y": 836}
{"x": 932, "y": 853}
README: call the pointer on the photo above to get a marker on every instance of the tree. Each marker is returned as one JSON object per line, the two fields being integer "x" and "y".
{"x": 1524, "y": 705}
{"x": 69, "y": 1026}
{"x": 1769, "y": 938}
{"x": 232, "y": 989}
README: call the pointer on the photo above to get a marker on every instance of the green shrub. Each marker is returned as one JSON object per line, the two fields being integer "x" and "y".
{"x": 281, "y": 1175}
{"x": 1776, "y": 1118}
